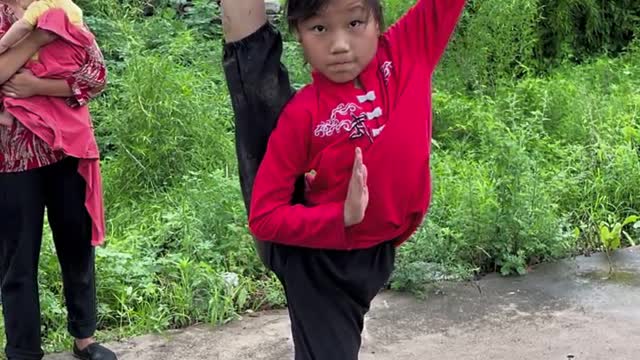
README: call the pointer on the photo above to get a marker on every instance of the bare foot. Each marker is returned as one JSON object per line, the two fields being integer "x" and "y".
{"x": 6, "y": 119}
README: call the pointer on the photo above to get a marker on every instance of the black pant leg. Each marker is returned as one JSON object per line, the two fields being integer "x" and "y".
{"x": 328, "y": 295}
{"x": 259, "y": 86}
{"x": 21, "y": 221}
{"x": 71, "y": 228}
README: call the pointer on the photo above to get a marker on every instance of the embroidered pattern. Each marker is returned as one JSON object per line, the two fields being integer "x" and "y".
{"x": 386, "y": 70}
{"x": 359, "y": 127}
{"x": 333, "y": 125}
{"x": 356, "y": 124}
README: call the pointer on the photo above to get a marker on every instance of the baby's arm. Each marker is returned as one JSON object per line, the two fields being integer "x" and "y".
{"x": 16, "y": 32}
{"x": 17, "y": 56}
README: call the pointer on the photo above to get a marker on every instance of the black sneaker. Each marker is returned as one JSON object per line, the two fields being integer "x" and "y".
{"x": 94, "y": 351}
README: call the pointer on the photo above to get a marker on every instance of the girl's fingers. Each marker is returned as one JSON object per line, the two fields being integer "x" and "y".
{"x": 365, "y": 173}
{"x": 357, "y": 163}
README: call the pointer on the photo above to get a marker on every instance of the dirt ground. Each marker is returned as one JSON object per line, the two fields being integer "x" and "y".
{"x": 566, "y": 310}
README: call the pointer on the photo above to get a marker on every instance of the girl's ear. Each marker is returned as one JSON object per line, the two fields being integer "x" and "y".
{"x": 296, "y": 34}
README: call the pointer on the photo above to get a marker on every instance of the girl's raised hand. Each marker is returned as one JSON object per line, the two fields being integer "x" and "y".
{"x": 357, "y": 200}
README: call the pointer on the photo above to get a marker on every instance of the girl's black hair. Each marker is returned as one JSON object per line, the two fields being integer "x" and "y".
{"x": 301, "y": 10}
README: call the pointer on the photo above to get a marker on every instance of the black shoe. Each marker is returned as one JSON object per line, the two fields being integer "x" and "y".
{"x": 94, "y": 351}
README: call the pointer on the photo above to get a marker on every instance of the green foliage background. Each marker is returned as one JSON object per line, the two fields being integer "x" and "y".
{"x": 537, "y": 142}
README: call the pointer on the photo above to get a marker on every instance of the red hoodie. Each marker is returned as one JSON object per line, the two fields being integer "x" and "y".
{"x": 390, "y": 119}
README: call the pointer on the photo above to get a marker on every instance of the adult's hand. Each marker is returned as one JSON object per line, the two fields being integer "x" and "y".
{"x": 21, "y": 85}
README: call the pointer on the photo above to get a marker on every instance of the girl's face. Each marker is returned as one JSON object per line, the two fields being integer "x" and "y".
{"x": 341, "y": 40}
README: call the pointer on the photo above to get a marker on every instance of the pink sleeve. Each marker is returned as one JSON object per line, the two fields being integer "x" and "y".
{"x": 423, "y": 33}
{"x": 90, "y": 80}
{"x": 272, "y": 217}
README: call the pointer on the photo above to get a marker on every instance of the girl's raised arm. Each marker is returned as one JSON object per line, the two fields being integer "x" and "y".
{"x": 423, "y": 33}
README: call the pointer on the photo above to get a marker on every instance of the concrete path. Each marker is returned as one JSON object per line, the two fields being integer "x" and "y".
{"x": 566, "y": 310}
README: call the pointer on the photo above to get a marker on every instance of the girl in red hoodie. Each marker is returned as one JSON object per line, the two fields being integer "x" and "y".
{"x": 343, "y": 178}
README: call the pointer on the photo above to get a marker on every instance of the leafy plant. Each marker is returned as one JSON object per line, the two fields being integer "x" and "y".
{"x": 611, "y": 236}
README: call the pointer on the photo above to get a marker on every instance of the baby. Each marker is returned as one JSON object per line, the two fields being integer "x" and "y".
{"x": 29, "y": 12}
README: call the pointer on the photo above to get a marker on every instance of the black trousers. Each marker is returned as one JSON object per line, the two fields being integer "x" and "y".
{"x": 328, "y": 292}
{"x": 23, "y": 199}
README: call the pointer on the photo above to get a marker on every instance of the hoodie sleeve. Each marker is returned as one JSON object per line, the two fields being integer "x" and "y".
{"x": 422, "y": 34}
{"x": 272, "y": 216}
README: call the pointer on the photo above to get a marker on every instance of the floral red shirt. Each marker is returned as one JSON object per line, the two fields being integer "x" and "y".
{"x": 20, "y": 149}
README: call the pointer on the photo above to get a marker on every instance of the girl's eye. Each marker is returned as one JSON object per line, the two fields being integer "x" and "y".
{"x": 319, "y": 28}
{"x": 356, "y": 23}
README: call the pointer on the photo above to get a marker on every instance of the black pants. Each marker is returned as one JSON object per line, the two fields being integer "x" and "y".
{"x": 328, "y": 292}
{"x": 23, "y": 198}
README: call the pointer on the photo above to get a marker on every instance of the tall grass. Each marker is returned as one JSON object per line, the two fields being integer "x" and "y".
{"x": 537, "y": 141}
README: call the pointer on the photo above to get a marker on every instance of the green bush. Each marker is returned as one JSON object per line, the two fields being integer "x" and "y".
{"x": 529, "y": 174}
{"x": 500, "y": 40}
{"x": 536, "y": 143}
